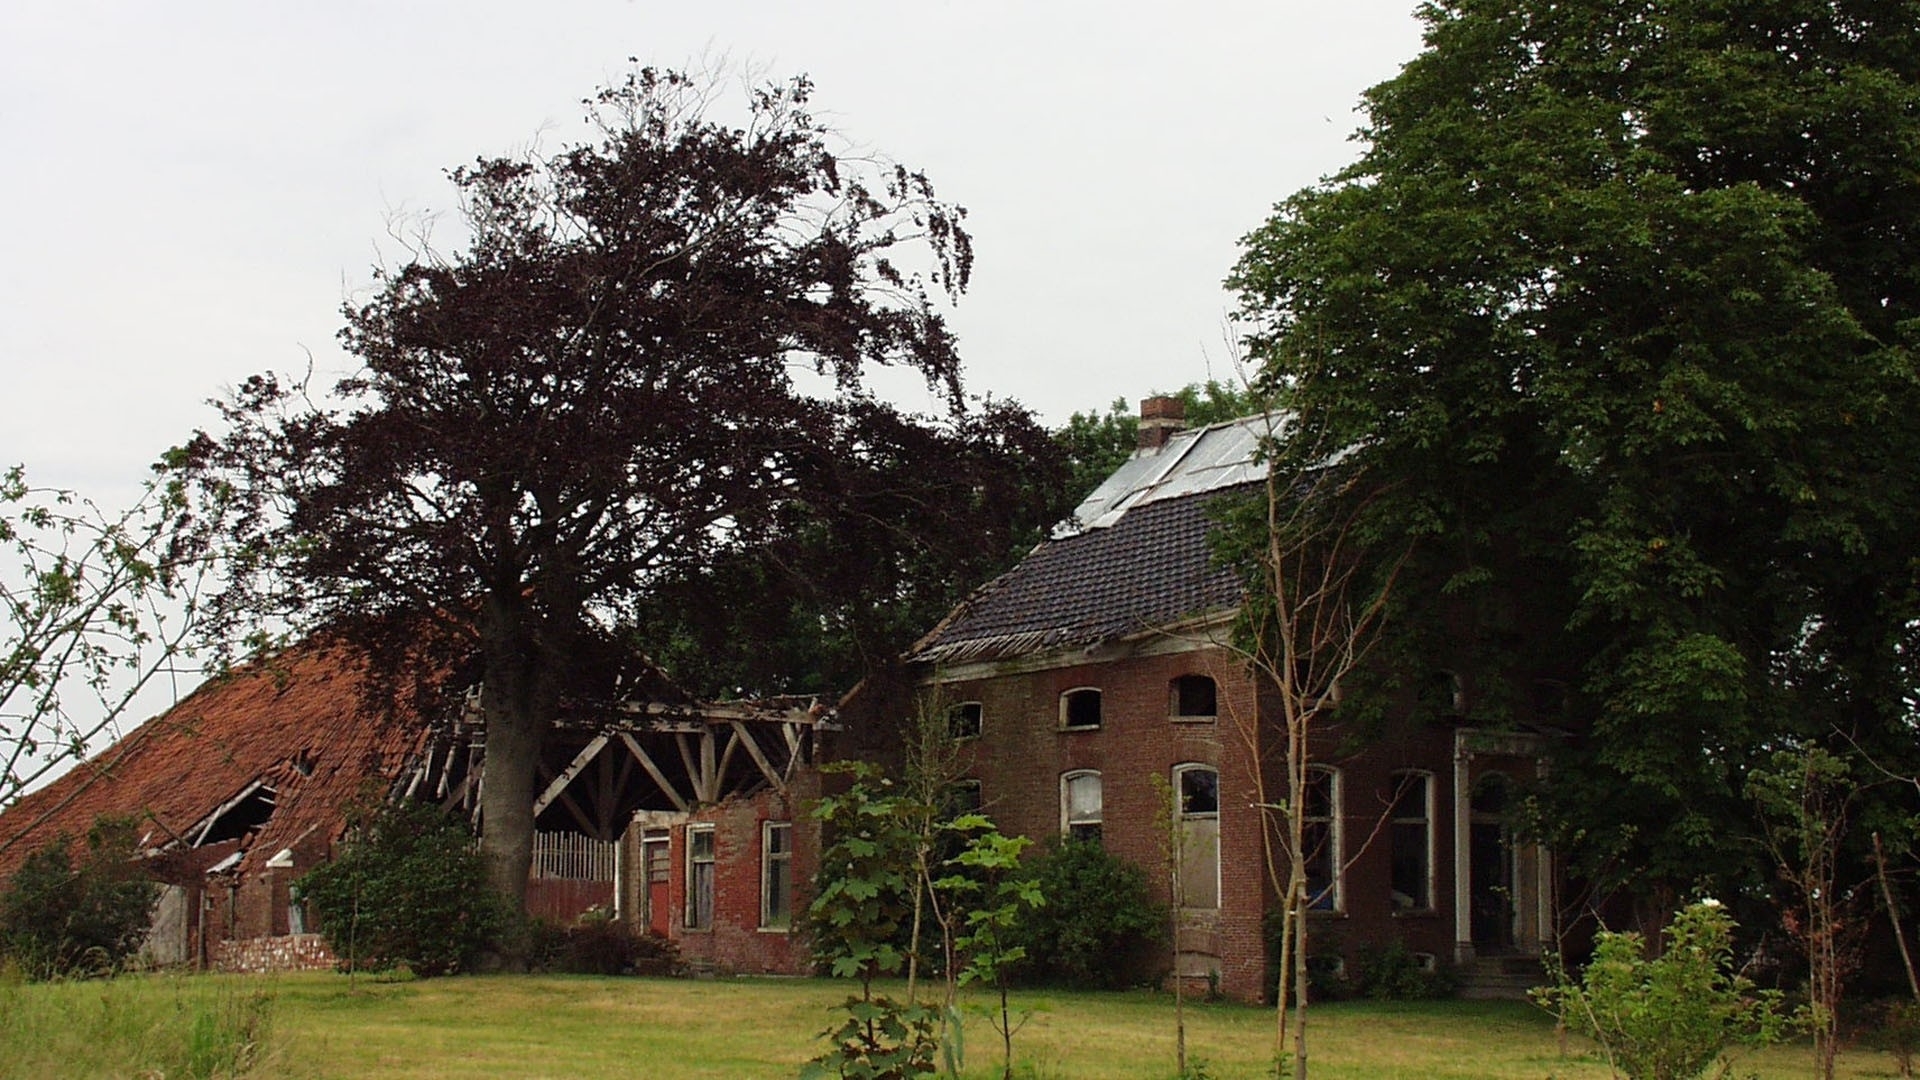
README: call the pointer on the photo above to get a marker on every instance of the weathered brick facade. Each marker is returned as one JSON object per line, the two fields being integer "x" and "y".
{"x": 736, "y": 938}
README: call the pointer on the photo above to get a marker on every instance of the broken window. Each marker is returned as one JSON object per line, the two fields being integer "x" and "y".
{"x": 1193, "y": 697}
{"x": 1080, "y": 708}
{"x": 776, "y": 875}
{"x": 1412, "y": 841}
{"x": 1081, "y": 806}
{"x": 699, "y": 877}
{"x": 963, "y": 720}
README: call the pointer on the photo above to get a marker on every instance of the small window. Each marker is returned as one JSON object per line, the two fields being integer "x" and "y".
{"x": 776, "y": 875}
{"x": 1080, "y": 708}
{"x": 1193, "y": 697}
{"x": 1411, "y": 839}
{"x": 699, "y": 877}
{"x": 963, "y": 720}
{"x": 1320, "y": 838}
{"x": 1081, "y": 806}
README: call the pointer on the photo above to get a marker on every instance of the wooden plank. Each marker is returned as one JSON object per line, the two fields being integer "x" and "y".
{"x": 646, "y": 762}
{"x": 759, "y": 758}
{"x": 579, "y": 763}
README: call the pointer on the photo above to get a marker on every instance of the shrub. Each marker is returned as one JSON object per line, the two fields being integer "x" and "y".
{"x": 1393, "y": 973}
{"x": 1672, "y": 1017}
{"x": 406, "y": 888}
{"x": 599, "y": 946}
{"x": 58, "y": 919}
{"x": 1899, "y": 1033}
{"x": 1100, "y": 921}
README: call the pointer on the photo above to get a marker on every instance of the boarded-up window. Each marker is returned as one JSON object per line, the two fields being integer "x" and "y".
{"x": 1081, "y": 806}
{"x": 1199, "y": 832}
{"x": 699, "y": 877}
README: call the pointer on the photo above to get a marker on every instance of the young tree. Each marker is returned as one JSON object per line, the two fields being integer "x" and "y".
{"x": 1618, "y": 308}
{"x": 648, "y": 355}
{"x": 1313, "y": 612}
{"x": 94, "y": 607}
{"x": 1805, "y": 803}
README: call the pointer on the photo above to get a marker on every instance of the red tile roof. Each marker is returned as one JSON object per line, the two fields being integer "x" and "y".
{"x": 306, "y": 723}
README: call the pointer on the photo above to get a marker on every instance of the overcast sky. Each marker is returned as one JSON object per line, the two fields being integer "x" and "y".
{"x": 192, "y": 188}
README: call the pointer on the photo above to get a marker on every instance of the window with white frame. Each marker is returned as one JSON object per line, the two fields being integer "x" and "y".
{"x": 1320, "y": 837}
{"x": 699, "y": 914}
{"x": 1198, "y": 821}
{"x": 1080, "y": 708}
{"x": 1411, "y": 840}
{"x": 1081, "y": 806}
{"x": 776, "y": 875}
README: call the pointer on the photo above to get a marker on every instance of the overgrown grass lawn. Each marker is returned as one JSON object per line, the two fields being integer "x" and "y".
{"x": 323, "y": 1026}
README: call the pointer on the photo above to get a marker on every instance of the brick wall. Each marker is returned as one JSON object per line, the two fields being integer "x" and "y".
{"x": 736, "y": 942}
{"x": 1022, "y": 753}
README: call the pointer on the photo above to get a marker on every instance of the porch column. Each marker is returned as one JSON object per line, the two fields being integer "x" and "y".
{"x": 1462, "y": 839}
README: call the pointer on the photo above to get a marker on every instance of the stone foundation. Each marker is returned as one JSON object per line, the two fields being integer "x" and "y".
{"x": 289, "y": 952}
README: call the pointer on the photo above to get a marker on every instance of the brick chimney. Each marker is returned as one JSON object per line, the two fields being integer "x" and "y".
{"x": 1160, "y": 418}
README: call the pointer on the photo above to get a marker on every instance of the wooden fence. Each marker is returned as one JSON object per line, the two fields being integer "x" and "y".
{"x": 572, "y": 857}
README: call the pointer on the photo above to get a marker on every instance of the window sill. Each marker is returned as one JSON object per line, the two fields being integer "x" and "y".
{"x": 1081, "y": 727}
{"x": 1194, "y": 719}
{"x": 1416, "y": 913}
{"x": 774, "y": 930}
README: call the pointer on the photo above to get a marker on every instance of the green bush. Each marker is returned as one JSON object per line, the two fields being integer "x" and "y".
{"x": 1100, "y": 923}
{"x": 58, "y": 919}
{"x": 1671, "y": 1017}
{"x": 1393, "y": 973}
{"x": 406, "y": 888}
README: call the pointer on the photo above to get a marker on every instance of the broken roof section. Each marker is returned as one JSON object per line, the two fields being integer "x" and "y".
{"x": 265, "y": 756}
{"x": 1133, "y": 558}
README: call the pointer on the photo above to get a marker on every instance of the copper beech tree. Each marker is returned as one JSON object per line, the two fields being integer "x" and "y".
{"x": 649, "y": 355}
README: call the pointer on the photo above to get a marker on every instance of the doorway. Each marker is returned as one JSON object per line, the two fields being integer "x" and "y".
{"x": 1491, "y": 887}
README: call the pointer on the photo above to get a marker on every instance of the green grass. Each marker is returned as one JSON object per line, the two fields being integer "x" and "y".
{"x": 321, "y": 1026}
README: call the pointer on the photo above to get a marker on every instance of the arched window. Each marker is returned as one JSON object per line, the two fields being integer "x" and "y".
{"x": 1198, "y": 819}
{"x": 1080, "y": 708}
{"x": 1192, "y": 697}
{"x": 1081, "y": 805}
{"x": 1411, "y": 839}
{"x": 1320, "y": 837}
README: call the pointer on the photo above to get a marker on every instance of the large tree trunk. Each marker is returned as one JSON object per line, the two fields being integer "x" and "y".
{"x": 520, "y": 699}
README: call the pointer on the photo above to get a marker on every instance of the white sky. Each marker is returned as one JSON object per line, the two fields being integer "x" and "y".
{"x": 192, "y": 188}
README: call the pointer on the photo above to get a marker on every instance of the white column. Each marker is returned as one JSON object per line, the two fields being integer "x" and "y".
{"x": 1462, "y": 864}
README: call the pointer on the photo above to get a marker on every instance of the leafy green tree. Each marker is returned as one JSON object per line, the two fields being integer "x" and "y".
{"x": 95, "y": 607}
{"x": 991, "y": 895}
{"x": 1618, "y": 309}
{"x": 648, "y": 356}
{"x": 60, "y": 918}
{"x": 863, "y": 902}
{"x": 407, "y": 887}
